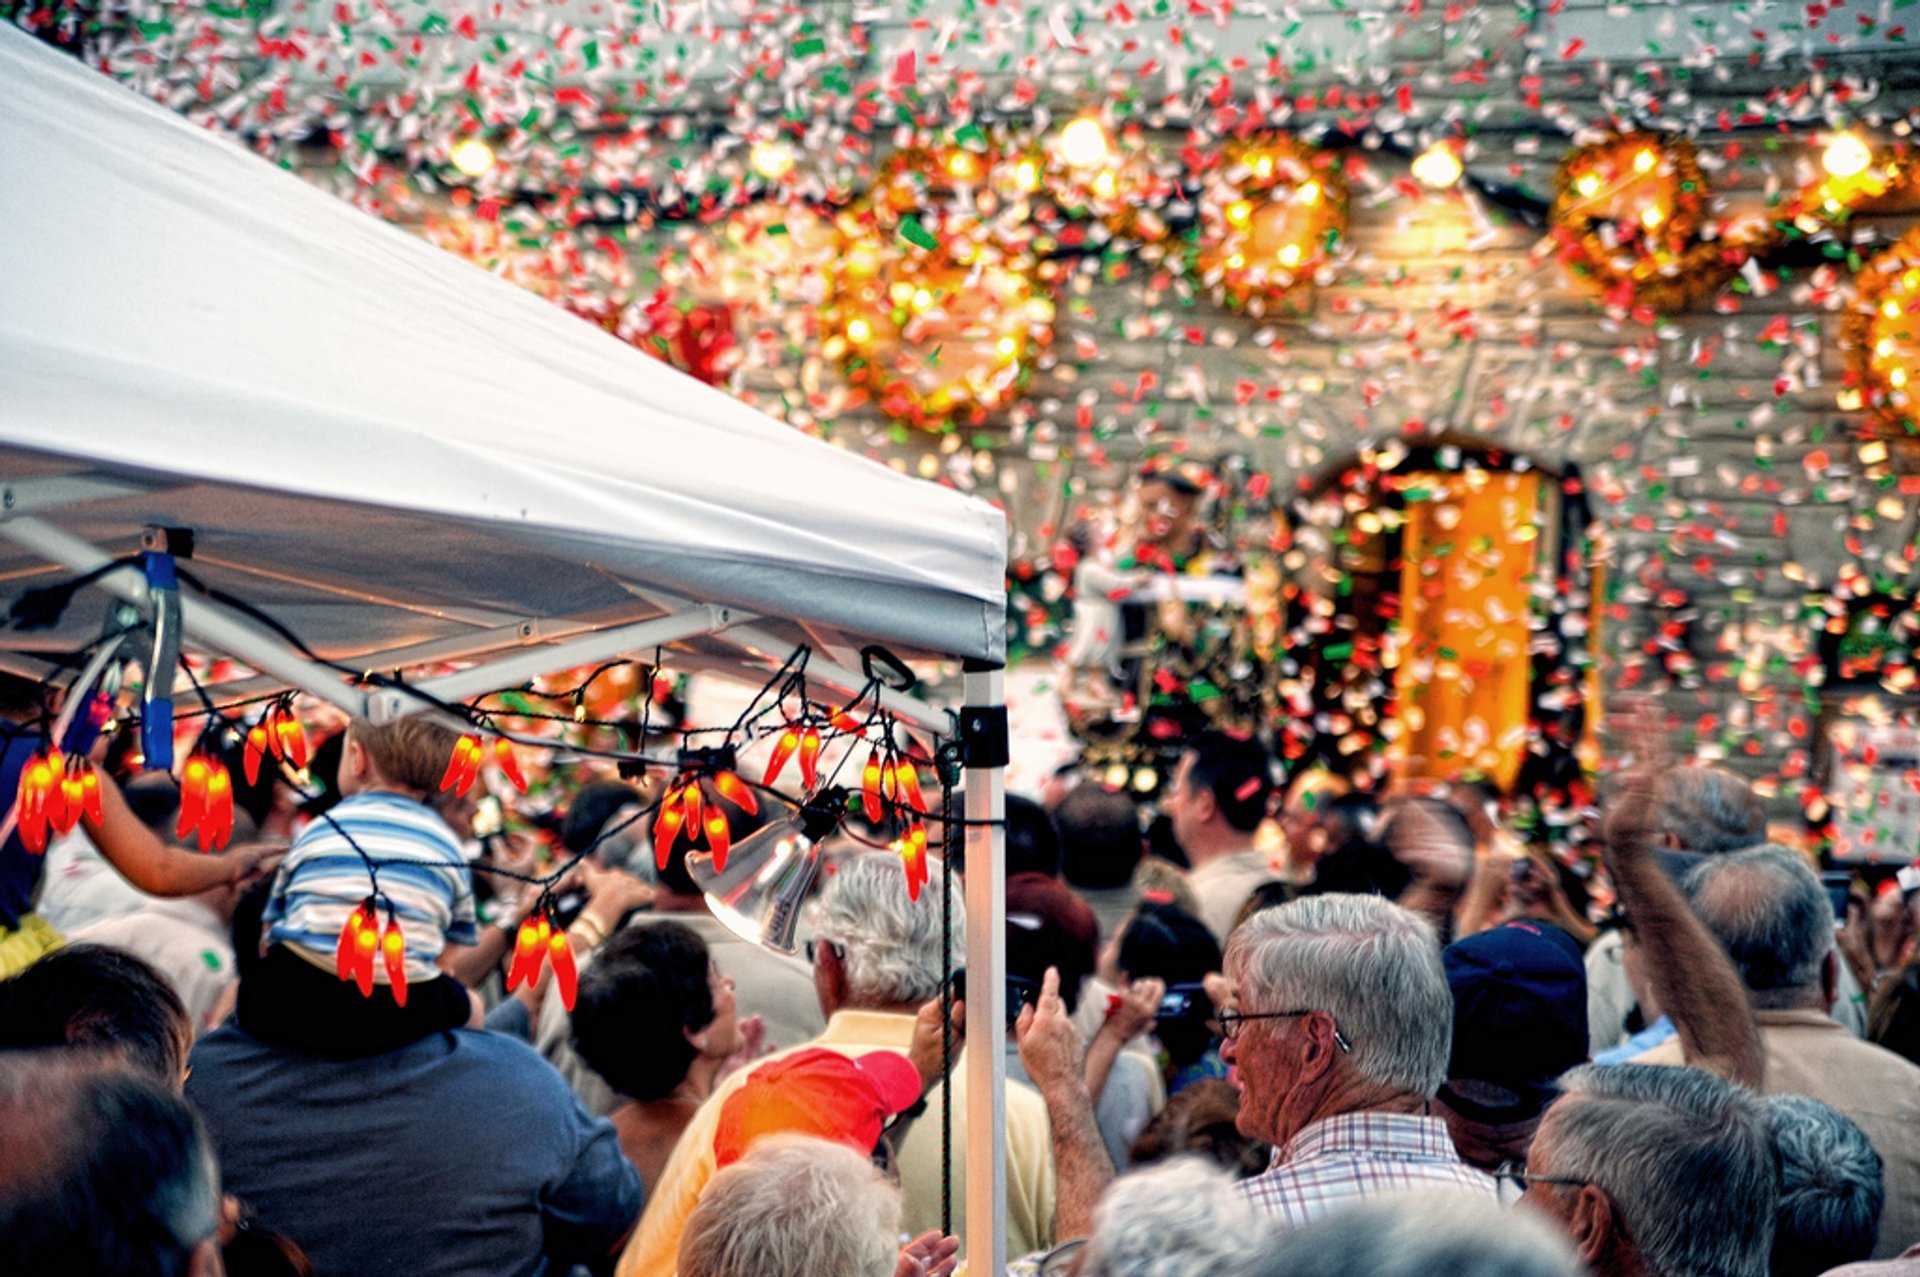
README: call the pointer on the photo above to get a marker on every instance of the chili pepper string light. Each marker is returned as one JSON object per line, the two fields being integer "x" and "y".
{"x": 56, "y": 790}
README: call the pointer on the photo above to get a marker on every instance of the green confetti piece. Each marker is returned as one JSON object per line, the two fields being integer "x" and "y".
{"x": 808, "y": 48}
{"x": 919, "y": 236}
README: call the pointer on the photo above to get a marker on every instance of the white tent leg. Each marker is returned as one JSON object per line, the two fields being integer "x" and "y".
{"x": 208, "y": 626}
{"x": 986, "y": 890}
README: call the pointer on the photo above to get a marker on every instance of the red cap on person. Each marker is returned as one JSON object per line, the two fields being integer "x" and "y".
{"x": 844, "y": 1098}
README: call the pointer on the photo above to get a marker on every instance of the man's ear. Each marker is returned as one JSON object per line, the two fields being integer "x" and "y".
{"x": 1320, "y": 1051}
{"x": 1830, "y": 979}
{"x": 1593, "y": 1226}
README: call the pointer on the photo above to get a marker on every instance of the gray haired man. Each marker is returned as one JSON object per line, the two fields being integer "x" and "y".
{"x": 1769, "y": 912}
{"x": 1339, "y": 1041}
{"x": 1657, "y": 1172}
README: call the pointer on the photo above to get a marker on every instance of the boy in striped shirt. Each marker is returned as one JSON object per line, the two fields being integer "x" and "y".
{"x": 295, "y": 998}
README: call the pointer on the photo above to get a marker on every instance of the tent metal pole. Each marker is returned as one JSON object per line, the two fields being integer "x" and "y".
{"x": 205, "y": 624}
{"x": 983, "y": 758}
{"x": 584, "y": 650}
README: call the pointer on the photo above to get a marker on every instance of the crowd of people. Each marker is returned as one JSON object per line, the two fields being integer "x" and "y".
{"x": 1290, "y": 1030}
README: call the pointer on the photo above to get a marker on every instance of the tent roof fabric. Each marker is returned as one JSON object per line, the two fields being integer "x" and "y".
{"x": 382, "y": 445}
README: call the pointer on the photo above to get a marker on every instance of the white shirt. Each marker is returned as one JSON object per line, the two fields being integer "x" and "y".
{"x": 184, "y": 940}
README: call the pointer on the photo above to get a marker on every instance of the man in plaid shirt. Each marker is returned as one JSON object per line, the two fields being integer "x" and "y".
{"x": 1339, "y": 1041}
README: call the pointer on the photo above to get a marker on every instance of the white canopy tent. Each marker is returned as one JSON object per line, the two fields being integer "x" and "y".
{"x": 403, "y": 460}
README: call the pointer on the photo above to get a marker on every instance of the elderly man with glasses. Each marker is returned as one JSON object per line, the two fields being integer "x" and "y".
{"x": 1338, "y": 1042}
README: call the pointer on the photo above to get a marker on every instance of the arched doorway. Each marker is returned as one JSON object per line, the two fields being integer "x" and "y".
{"x": 1442, "y": 620}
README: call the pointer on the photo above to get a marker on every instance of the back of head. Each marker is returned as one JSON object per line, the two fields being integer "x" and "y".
{"x": 1372, "y": 965}
{"x": 646, "y": 990}
{"x": 1831, "y": 1188}
{"x": 1203, "y": 1119}
{"x": 1709, "y": 810}
{"x": 102, "y": 1173}
{"x": 1179, "y": 1217}
{"x": 1426, "y": 1234}
{"x": 893, "y": 943}
{"x": 91, "y": 997}
{"x": 1167, "y": 943}
{"x": 1653, "y": 1137}
{"x": 1033, "y": 841}
{"x": 1238, "y": 772}
{"x": 1519, "y": 1019}
{"x": 794, "y": 1207}
{"x": 1769, "y": 912}
{"x": 590, "y": 823}
{"x": 1049, "y": 926}
{"x": 409, "y": 753}
{"x": 1100, "y": 841}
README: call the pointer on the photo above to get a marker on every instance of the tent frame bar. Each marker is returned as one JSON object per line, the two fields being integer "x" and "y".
{"x": 200, "y": 620}
{"x": 586, "y": 649}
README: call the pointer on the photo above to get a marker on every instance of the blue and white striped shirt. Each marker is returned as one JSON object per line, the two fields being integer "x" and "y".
{"x": 323, "y": 880}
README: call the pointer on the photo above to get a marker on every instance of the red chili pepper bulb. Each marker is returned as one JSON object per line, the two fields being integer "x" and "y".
{"x": 735, "y": 791}
{"x": 35, "y": 778}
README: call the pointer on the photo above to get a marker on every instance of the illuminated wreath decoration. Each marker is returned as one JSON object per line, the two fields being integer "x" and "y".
{"x": 928, "y": 194}
{"x": 1116, "y": 184}
{"x": 1270, "y": 216}
{"x": 1628, "y": 215}
{"x": 1882, "y": 336}
{"x": 938, "y": 306}
{"x": 938, "y": 338}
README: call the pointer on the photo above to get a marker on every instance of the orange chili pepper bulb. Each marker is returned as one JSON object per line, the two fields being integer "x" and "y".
{"x": 909, "y": 778}
{"x": 666, "y": 828}
{"x": 691, "y": 804}
{"x": 524, "y": 942}
{"x": 365, "y": 941}
{"x": 456, "y": 765}
{"x": 90, "y": 796}
{"x": 256, "y": 750}
{"x": 782, "y": 750}
{"x": 35, "y": 778}
{"x": 349, "y": 943}
{"x": 870, "y": 786}
{"x": 393, "y": 950}
{"x": 566, "y": 976}
{"x": 216, "y": 822}
{"x": 509, "y": 763}
{"x": 810, "y": 758}
{"x": 193, "y": 796}
{"x": 719, "y": 837}
{"x": 293, "y": 741}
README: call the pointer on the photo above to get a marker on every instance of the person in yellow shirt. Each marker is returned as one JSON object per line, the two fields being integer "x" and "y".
{"x": 877, "y": 962}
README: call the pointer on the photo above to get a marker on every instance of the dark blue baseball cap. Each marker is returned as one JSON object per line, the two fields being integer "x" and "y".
{"x": 1519, "y": 1019}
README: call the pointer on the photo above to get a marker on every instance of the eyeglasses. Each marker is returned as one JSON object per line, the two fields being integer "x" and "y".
{"x": 1517, "y": 1174}
{"x": 1227, "y": 1024}
{"x": 814, "y": 947}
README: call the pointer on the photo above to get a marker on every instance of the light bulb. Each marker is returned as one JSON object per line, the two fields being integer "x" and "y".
{"x": 471, "y": 156}
{"x": 1588, "y": 185}
{"x": 1083, "y": 143}
{"x": 858, "y": 331}
{"x": 771, "y": 160}
{"x": 1437, "y": 167}
{"x": 1846, "y": 156}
